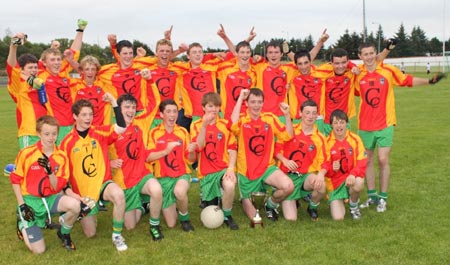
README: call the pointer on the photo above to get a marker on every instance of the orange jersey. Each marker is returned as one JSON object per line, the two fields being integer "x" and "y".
{"x": 256, "y": 143}
{"x": 59, "y": 97}
{"x": 32, "y": 178}
{"x": 307, "y": 87}
{"x": 274, "y": 83}
{"x": 124, "y": 81}
{"x": 232, "y": 81}
{"x": 193, "y": 83}
{"x": 28, "y": 107}
{"x": 376, "y": 89}
{"x": 339, "y": 92}
{"x": 350, "y": 153}
{"x": 94, "y": 93}
{"x": 218, "y": 141}
{"x": 308, "y": 151}
{"x": 176, "y": 163}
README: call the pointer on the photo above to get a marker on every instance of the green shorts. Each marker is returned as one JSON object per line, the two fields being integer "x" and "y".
{"x": 298, "y": 180}
{"x": 210, "y": 185}
{"x": 246, "y": 186}
{"x": 133, "y": 195}
{"x": 168, "y": 185}
{"x": 63, "y": 131}
{"x": 340, "y": 193}
{"x": 95, "y": 210}
{"x": 27, "y": 140}
{"x": 381, "y": 138}
{"x": 41, "y": 209}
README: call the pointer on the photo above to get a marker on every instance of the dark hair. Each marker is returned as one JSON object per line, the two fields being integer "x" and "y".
{"x": 275, "y": 44}
{"x": 126, "y": 97}
{"x": 302, "y": 53}
{"x": 338, "y": 52}
{"x": 123, "y": 43}
{"x": 339, "y": 115}
{"x": 243, "y": 44}
{"x": 365, "y": 45}
{"x": 211, "y": 97}
{"x": 79, "y": 104}
{"x": 308, "y": 103}
{"x": 256, "y": 92}
{"x": 25, "y": 59}
{"x": 165, "y": 103}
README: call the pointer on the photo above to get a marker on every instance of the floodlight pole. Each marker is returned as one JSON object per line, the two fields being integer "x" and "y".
{"x": 364, "y": 21}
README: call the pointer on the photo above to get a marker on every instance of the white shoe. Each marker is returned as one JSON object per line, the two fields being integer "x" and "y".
{"x": 356, "y": 214}
{"x": 381, "y": 207}
{"x": 367, "y": 203}
{"x": 119, "y": 242}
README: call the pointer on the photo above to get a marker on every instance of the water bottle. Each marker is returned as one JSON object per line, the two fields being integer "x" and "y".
{"x": 42, "y": 95}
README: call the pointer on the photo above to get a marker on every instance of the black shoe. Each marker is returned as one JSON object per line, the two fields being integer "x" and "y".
{"x": 18, "y": 232}
{"x": 50, "y": 225}
{"x": 313, "y": 214}
{"x": 271, "y": 213}
{"x": 155, "y": 231}
{"x": 231, "y": 224}
{"x": 187, "y": 226}
{"x": 66, "y": 241}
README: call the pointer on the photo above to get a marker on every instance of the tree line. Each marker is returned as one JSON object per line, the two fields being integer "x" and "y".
{"x": 410, "y": 44}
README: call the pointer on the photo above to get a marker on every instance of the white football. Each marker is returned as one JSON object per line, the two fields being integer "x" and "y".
{"x": 212, "y": 216}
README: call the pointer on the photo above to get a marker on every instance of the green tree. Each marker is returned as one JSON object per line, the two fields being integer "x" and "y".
{"x": 419, "y": 42}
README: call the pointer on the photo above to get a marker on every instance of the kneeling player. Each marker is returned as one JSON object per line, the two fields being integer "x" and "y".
{"x": 349, "y": 162}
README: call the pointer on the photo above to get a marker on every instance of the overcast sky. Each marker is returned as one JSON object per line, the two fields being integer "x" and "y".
{"x": 198, "y": 20}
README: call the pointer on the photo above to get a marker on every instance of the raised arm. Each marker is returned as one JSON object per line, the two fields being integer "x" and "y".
{"x": 237, "y": 108}
{"x": 323, "y": 38}
{"x": 12, "y": 54}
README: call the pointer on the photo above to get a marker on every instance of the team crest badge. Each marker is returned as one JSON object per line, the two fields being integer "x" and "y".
{"x": 311, "y": 148}
{"x": 266, "y": 127}
{"x": 382, "y": 81}
{"x": 219, "y": 136}
{"x": 94, "y": 144}
{"x": 350, "y": 151}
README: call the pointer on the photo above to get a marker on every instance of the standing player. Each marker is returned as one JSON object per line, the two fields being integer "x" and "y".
{"x": 304, "y": 159}
{"x": 128, "y": 155}
{"x": 23, "y": 88}
{"x": 348, "y": 167}
{"x": 42, "y": 172}
{"x": 87, "y": 149}
{"x": 376, "y": 118}
{"x": 91, "y": 88}
{"x": 217, "y": 157}
{"x": 170, "y": 155}
{"x": 256, "y": 132}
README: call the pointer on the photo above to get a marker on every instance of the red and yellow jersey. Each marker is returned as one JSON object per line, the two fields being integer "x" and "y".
{"x": 308, "y": 151}
{"x": 176, "y": 163}
{"x": 305, "y": 87}
{"x": 232, "y": 81}
{"x": 93, "y": 93}
{"x": 350, "y": 153}
{"x": 274, "y": 83}
{"x": 256, "y": 143}
{"x": 376, "y": 89}
{"x": 165, "y": 79}
{"x": 32, "y": 178}
{"x": 214, "y": 155}
{"x": 124, "y": 81}
{"x": 28, "y": 107}
{"x": 129, "y": 147}
{"x": 193, "y": 83}
{"x": 339, "y": 93}
{"x": 59, "y": 97}
{"x": 89, "y": 162}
